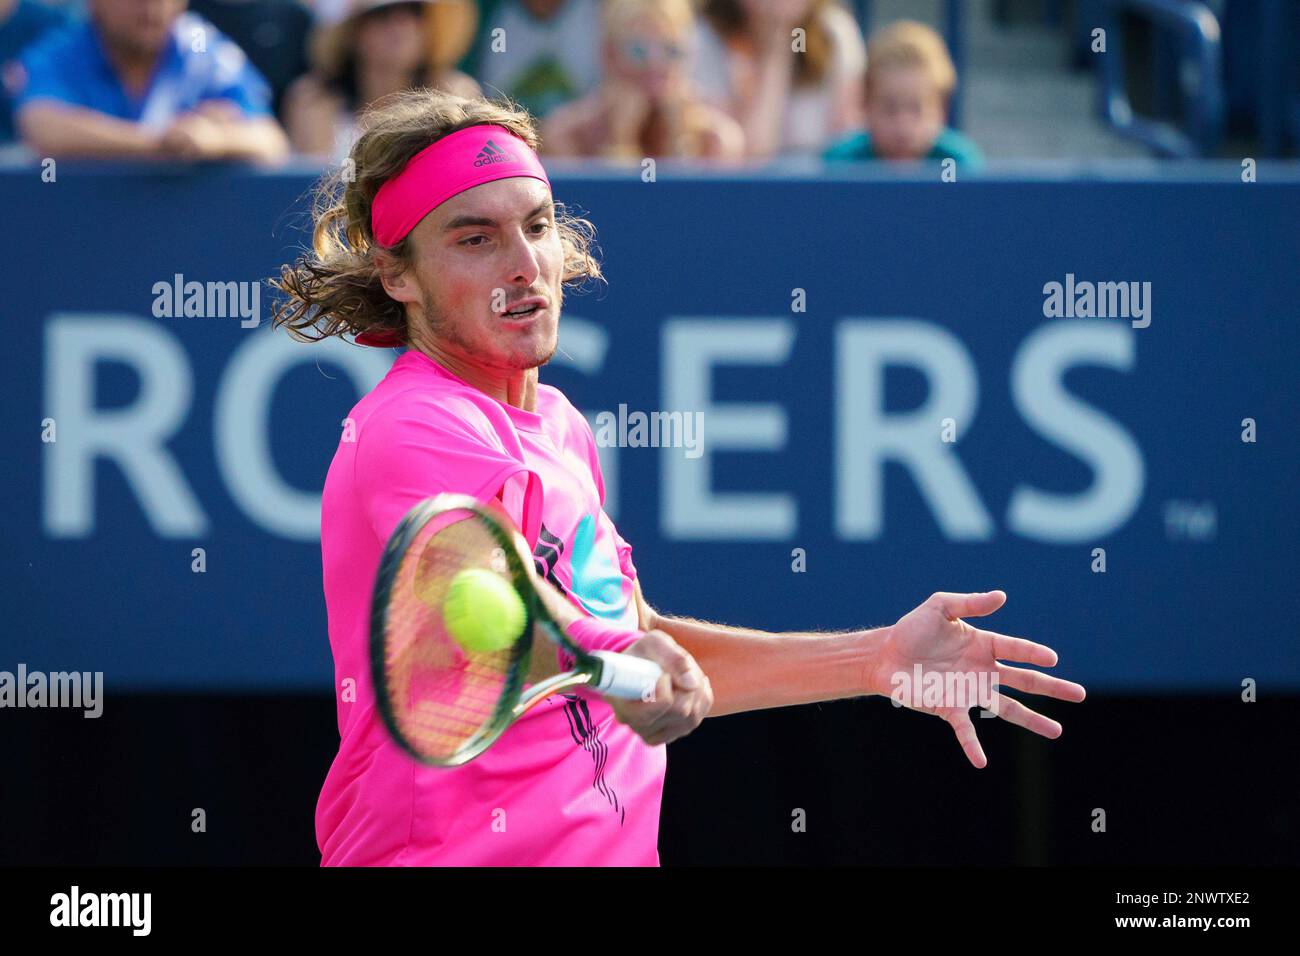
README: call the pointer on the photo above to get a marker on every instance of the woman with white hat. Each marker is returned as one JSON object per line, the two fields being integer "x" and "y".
{"x": 378, "y": 48}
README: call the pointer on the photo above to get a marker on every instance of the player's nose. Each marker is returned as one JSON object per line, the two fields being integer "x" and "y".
{"x": 523, "y": 263}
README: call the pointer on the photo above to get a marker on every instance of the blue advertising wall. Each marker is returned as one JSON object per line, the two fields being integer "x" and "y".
{"x": 884, "y": 403}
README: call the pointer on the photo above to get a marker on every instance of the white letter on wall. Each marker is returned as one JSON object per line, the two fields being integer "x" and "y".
{"x": 243, "y": 427}
{"x": 867, "y": 437}
{"x": 1115, "y": 459}
{"x": 690, "y": 508}
{"x": 134, "y": 436}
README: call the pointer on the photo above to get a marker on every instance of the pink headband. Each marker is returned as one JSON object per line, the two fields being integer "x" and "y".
{"x": 455, "y": 163}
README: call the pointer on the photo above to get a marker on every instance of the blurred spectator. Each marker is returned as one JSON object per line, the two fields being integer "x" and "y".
{"x": 541, "y": 53}
{"x": 272, "y": 32}
{"x": 382, "y": 47}
{"x": 792, "y": 92}
{"x": 646, "y": 104}
{"x": 143, "y": 78}
{"x": 910, "y": 78}
{"x": 328, "y": 11}
{"x": 21, "y": 22}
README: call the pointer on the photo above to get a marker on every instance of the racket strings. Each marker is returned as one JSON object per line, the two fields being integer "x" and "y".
{"x": 443, "y": 696}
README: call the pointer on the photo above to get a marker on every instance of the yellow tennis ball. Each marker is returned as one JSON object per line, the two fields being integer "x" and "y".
{"x": 482, "y": 611}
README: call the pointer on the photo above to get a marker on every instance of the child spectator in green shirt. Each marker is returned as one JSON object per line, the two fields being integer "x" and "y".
{"x": 909, "y": 80}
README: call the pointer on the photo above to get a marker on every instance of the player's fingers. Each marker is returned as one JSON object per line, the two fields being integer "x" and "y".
{"x": 680, "y": 672}
{"x": 1018, "y": 649}
{"x": 696, "y": 704}
{"x": 688, "y": 711}
{"x": 665, "y": 729}
{"x": 657, "y": 739}
{"x": 662, "y": 695}
{"x": 966, "y": 736}
{"x": 1011, "y": 710}
{"x": 676, "y": 661}
{"x": 687, "y": 674}
{"x": 704, "y": 700}
{"x": 1035, "y": 682}
{"x": 691, "y": 707}
{"x": 967, "y": 605}
{"x": 639, "y": 713}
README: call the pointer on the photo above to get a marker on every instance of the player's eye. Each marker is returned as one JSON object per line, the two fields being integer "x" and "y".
{"x": 473, "y": 242}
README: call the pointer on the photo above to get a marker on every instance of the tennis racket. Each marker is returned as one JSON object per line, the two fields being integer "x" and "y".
{"x": 445, "y": 704}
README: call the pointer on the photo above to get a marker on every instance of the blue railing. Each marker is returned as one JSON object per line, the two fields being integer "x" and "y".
{"x": 1199, "y": 60}
{"x": 1277, "y": 97}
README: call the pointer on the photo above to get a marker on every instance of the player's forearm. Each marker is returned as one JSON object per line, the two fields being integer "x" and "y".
{"x": 755, "y": 670}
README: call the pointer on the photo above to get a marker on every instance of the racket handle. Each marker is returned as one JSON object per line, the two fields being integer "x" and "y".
{"x": 625, "y": 676}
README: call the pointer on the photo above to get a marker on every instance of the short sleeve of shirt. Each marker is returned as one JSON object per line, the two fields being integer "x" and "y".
{"x": 625, "y": 556}
{"x": 853, "y": 147}
{"x": 412, "y": 448}
{"x": 236, "y": 79}
{"x": 42, "y": 76}
{"x": 953, "y": 145}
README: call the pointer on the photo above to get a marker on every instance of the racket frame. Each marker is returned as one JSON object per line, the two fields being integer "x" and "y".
{"x": 513, "y": 703}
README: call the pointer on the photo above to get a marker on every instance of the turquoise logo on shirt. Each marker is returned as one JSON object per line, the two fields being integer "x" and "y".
{"x": 597, "y": 581}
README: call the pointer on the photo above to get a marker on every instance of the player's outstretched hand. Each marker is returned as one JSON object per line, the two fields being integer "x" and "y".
{"x": 682, "y": 698}
{"x": 935, "y": 637}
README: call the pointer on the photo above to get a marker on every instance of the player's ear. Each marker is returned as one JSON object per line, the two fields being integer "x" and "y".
{"x": 398, "y": 281}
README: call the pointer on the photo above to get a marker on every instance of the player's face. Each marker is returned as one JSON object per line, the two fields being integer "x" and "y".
{"x": 479, "y": 258}
{"x": 905, "y": 113}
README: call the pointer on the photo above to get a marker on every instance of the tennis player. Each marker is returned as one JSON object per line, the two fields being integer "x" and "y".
{"x": 441, "y": 235}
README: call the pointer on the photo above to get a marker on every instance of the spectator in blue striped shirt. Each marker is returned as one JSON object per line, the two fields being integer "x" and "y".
{"x": 145, "y": 79}
{"x": 21, "y": 23}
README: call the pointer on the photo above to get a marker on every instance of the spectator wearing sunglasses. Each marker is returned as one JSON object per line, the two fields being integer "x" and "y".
{"x": 646, "y": 105}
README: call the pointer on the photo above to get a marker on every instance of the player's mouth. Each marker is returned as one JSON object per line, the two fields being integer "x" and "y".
{"x": 524, "y": 310}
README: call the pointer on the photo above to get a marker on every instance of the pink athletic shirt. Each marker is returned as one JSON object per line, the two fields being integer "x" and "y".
{"x": 567, "y": 784}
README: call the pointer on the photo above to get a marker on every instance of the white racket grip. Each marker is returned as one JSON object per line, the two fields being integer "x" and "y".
{"x": 625, "y": 676}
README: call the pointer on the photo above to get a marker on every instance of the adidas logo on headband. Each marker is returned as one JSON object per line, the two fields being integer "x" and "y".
{"x": 448, "y": 166}
{"x": 492, "y": 153}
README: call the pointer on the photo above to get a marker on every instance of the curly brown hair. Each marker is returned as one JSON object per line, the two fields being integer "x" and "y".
{"x": 335, "y": 289}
